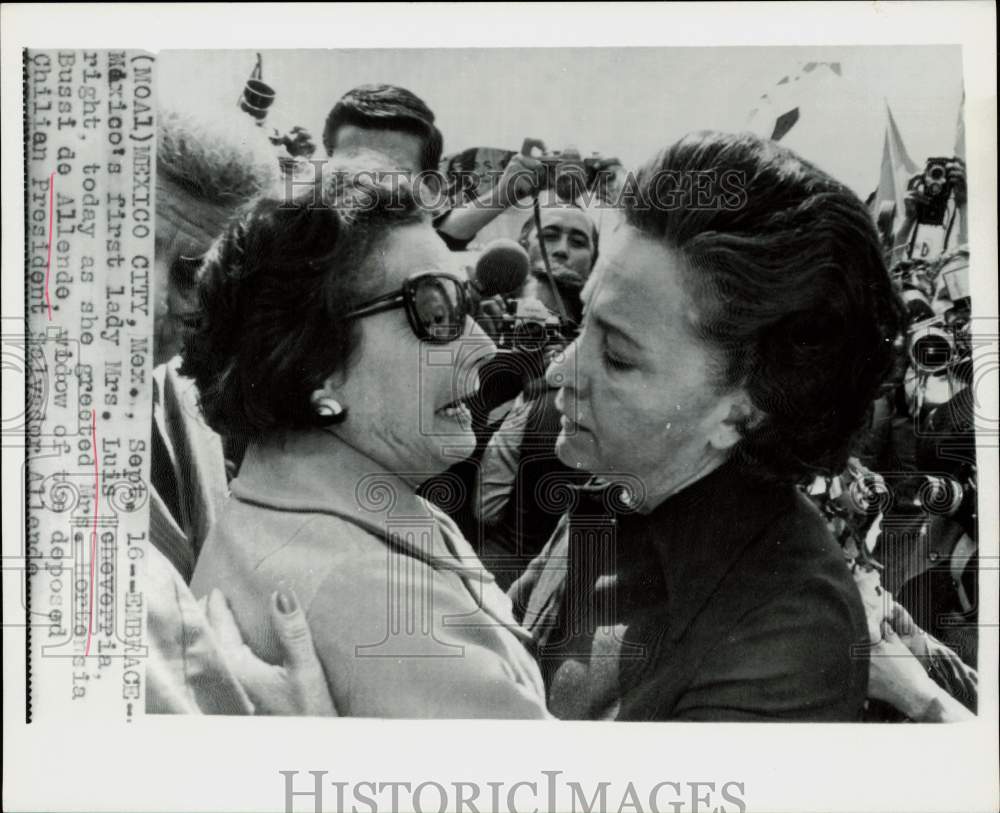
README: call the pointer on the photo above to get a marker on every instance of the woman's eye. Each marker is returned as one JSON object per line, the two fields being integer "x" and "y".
{"x": 616, "y": 362}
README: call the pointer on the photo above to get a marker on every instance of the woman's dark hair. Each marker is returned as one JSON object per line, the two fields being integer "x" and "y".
{"x": 386, "y": 107}
{"x": 272, "y": 291}
{"x": 785, "y": 269}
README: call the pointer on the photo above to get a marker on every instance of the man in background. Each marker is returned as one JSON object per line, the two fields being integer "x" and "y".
{"x": 399, "y": 124}
{"x": 202, "y": 177}
{"x": 570, "y": 239}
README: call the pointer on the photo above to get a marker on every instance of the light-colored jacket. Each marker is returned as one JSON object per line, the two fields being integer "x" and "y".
{"x": 405, "y": 620}
{"x": 188, "y": 461}
{"x": 186, "y": 672}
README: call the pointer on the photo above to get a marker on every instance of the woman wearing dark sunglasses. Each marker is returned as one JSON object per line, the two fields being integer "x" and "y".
{"x": 335, "y": 337}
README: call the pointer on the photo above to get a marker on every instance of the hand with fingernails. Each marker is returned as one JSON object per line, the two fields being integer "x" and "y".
{"x": 297, "y": 686}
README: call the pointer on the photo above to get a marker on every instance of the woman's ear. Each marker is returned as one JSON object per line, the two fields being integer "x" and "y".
{"x": 737, "y": 413}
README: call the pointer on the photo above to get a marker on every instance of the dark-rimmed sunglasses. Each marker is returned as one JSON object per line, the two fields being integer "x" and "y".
{"x": 436, "y": 306}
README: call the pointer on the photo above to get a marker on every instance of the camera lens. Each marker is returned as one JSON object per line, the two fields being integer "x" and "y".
{"x": 931, "y": 351}
{"x": 529, "y": 335}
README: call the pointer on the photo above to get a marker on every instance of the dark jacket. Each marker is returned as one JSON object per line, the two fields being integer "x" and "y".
{"x": 729, "y": 601}
{"x": 518, "y": 501}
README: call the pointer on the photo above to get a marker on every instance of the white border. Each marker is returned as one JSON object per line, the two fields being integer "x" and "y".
{"x": 232, "y": 764}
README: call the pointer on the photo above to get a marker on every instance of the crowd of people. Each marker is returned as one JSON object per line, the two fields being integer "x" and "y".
{"x": 665, "y": 518}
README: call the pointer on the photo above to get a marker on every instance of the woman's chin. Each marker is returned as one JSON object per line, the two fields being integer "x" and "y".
{"x": 442, "y": 450}
{"x": 576, "y": 450}
{"x": 457, "y": 445}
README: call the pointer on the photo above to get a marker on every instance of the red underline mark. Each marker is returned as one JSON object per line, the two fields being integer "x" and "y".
{"x": 48, "y": 261}
{"x": 93, "y": 534}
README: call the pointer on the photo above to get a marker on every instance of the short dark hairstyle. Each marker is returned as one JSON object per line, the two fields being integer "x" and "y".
{"x": 272, "y": 293}
{"x": 386, "y": 107}
{"x": 790, "y": 288}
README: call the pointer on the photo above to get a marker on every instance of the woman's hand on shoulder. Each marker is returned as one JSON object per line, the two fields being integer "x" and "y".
{"x": 296, "y": 687}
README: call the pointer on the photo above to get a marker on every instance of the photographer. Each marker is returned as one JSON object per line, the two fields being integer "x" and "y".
{"x": 923, "y": 438}
{"x": 926, "y": 200}
{"x": 570, "y": 239}
{"x": 936, "y": 580}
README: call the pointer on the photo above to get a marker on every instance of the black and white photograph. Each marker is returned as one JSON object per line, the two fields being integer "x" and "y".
{"x": 549, "y": 432}
{"x": 517, "y": 388}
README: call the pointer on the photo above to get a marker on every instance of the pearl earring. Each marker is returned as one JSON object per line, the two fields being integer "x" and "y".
{"x": 328, "y": 410}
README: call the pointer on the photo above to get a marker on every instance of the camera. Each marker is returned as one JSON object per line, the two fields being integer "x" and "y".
{"x": 569, "y": 174}
{"x": 938, "y": 340}
{"x": 525, "y": 335}
{"x": 528, "y": 326}
{"x": 933, "y": 183}
{"x": 916, "y": 282}
{"x": 935, "y": 345}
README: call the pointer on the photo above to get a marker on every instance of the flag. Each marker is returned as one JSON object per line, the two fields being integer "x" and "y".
{"x": 960, "y": 130}
{"x": 779, "y": 108}
{"x": 896, "y": 170}
{"x": 809, "y": 67}
{"x": 785, "y": 123}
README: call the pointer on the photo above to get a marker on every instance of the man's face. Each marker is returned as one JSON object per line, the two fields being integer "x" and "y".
{"x": 405, "y": 150}
{"x": 569, "y": 241}
{"x": 185, "y": 229}
{"x": 637, "y": 395}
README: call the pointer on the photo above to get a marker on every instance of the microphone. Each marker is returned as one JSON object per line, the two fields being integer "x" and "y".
{"x": 501, "y": 269}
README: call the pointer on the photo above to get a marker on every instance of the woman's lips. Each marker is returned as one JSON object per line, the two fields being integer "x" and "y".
{"x": 459, "y": 413}
{"x": 571, "y": 426}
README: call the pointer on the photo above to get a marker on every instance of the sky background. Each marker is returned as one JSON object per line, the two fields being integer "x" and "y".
{"x": 624, "y": 102}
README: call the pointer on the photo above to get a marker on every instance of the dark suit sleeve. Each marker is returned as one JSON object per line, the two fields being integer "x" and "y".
{"x": 793, "y": 657}
{"x": 453, "y": 243}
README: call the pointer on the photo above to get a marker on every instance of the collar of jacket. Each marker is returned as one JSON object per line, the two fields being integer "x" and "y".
{"x": 699, "y": 533}
{"x": 311, "y": 471}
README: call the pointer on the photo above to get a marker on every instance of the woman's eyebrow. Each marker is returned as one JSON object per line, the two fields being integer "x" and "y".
{"x": 615, "y": 330}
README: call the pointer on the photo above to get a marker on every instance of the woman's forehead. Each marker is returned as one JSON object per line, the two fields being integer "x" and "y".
{"x": 638, "y": 279}
{"x": 417, "y": 249}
